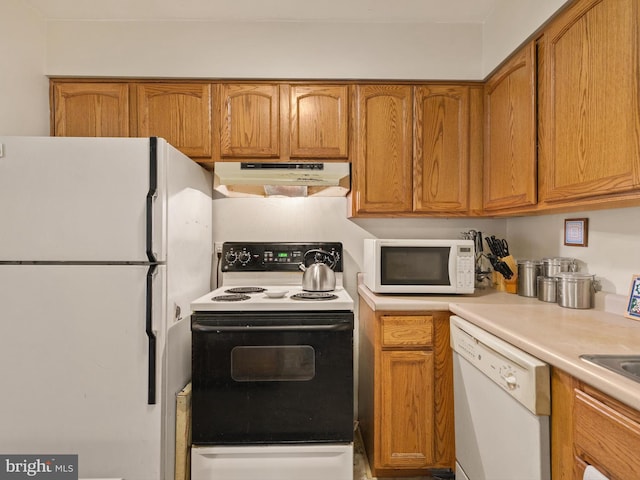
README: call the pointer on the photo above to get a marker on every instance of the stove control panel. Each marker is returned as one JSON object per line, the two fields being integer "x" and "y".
{"x": 279, "y": 256}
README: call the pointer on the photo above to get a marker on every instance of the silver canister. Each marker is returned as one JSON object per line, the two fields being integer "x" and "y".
{"x": 575, "y": 289}
{"x": 528, "y": 272}
{"x": 552, "y": 266}
{"x": 547, "y": 287}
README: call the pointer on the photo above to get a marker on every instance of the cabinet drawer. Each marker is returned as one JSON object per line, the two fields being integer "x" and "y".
{"x": 606, "y": 438}
{"x": 407, "y": 331}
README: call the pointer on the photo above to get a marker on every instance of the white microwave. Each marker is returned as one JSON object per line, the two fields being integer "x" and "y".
{"x": 419, "y": 266}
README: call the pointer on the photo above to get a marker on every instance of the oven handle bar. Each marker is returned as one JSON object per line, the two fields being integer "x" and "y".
{"x": 270, "y": 328}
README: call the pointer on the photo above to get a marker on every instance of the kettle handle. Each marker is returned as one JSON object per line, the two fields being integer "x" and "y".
{"x": 331, "y": 255}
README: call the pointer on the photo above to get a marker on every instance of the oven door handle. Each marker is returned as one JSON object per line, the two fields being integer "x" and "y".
{"x": 271, "y": 328}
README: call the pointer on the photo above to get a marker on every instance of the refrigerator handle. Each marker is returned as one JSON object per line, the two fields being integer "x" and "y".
{"x": 152, "y": 195}
{"x": 151, "y": 389}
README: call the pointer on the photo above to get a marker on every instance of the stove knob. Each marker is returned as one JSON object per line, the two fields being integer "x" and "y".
{"x": 231, "y": 257}
{"x": 244, "y": 257}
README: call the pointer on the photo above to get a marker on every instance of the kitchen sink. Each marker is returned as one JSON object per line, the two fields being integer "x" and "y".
{"x": 627, "y": 365}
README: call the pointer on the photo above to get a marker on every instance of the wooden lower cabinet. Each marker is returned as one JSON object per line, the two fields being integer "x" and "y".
{"x": 405, "y": 391}
{"x": 590, "y": 428}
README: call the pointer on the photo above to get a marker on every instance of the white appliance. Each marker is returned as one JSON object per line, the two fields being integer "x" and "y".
{"x": 279, "y": 361}
{"x": 501, "y": 405}
{"x": 438, "y": 266}
{"x": 103, "y": 244}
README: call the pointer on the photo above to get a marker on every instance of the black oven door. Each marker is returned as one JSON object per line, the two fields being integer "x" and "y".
{"x": 272, "y": 377}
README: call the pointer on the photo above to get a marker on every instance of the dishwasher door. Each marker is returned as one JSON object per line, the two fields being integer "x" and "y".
{"x": 502, "y": 406}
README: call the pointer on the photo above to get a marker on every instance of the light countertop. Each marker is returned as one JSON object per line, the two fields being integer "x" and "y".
{"x": 547, "y": 331}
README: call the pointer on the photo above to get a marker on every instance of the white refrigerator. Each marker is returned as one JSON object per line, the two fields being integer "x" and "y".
{"x": 104, "y": 242}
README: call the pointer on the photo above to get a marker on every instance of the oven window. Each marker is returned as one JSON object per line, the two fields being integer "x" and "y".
{"x": 415, "y": 266}
{"x": 273, "y": 363}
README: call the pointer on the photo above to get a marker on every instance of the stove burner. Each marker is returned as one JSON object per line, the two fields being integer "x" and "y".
{"x": 245, "y": 290}
{"x": 314, "y": 296}
{"x": 230, "y": 298}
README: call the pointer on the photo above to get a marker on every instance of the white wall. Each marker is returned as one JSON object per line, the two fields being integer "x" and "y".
{"x": 613, "y": 251}
{"x": 265, "y": 50}
{"x": 509, "y": 25}
{"x": 24, "y": 90}
{"x": 324, "y": 219}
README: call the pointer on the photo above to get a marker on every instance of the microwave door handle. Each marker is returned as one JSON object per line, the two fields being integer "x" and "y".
{"x": 270, "y": 328}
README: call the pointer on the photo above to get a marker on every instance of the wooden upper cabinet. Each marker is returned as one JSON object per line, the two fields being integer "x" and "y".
{"x": 510, "y": 147}
{"x": 249, "y": 120}
{"x": 382, "y": 156}
{"x": 590, "y": 108}
{"x": 441, "y": 149}
{"x": 319, "y": 121}
{"x": 90, "y": 109}
{"x": 180, "y": 113}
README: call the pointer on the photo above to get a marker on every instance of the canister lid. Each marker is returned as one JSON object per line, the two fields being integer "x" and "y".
{"x": 528, "y": 262}
{"x": 558, "y": 260}
{"x": 574, "y": 276}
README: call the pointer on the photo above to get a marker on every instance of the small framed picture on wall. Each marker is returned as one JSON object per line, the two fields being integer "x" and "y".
{"x": 633, "y": 307}
{"x": 576, "y": 232}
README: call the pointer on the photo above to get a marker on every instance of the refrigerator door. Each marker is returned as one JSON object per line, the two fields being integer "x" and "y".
{"x": 189, "y": 234}
{"x": 78, "y": 199}
{"x": 74, "y": 358}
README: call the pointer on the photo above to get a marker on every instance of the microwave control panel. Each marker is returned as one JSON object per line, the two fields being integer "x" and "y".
{"x": 466, "y": 268}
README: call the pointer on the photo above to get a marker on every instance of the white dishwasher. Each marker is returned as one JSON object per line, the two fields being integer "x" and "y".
{"x": 502, "y": 406}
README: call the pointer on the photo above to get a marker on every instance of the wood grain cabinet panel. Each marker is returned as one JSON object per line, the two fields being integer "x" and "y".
{"x": 588, "y": 427}
{"x": 406, "y": 409}
{"x": 249, "y": 120}
{"x": 87, "y": 109}
{"x": 591, "y": 109}
{"x": 405, "y": 391}
{"x": 179, "y": 113}
{"x": 510, "y": 148}
{"x": 407, "y": 331}
{"x": 319, "y": 121}
{"x": 382, "y": 180}
{"x": 441, "y": 149}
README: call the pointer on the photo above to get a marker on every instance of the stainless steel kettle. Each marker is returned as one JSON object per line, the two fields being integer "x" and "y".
{"x": 318, "y": 277}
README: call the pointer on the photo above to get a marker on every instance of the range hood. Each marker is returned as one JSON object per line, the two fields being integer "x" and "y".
{"x": 285, "y": 179}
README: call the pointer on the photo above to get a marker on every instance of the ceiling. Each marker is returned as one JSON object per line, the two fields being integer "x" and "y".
{"x": 414, "y": 11}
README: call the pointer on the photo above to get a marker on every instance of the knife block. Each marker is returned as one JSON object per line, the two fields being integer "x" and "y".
{"x": 501, "y": 283}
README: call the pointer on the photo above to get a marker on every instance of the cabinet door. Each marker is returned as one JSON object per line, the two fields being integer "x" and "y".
{"x": 90, "y": 109}
{"x": 406, "y": 410}
{"x": 591, "y": 111}
{"x": 441, "y": 149}
{"x": 180, "y": 113}
{"x": 606, "y": 435}
{"x": 319, "y": 121}
{"x": 510, "y": 157}
{"x": 382, "y": 166}
{"x": 249, "y": 120}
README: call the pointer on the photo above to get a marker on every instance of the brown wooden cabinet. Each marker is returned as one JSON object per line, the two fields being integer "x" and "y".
{"x": 590, "y": 115}
{"x": 178, "y": 112}
{"x": 441, "y": 149}
{"x": 90, "y": 109}
{"x": 510, "y": 144}
{"x": 382, "y": 180}
{"x": 281, "y": 122}
{"x": 319, "y": 121}
{"x": 417, "y": 149}
{"x": 590, "y": 428}
{"x": 405, "y": 391}
{"x": 249, "y": 120}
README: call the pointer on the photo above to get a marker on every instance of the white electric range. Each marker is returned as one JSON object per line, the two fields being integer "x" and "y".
{"x": 272, "y": 368}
